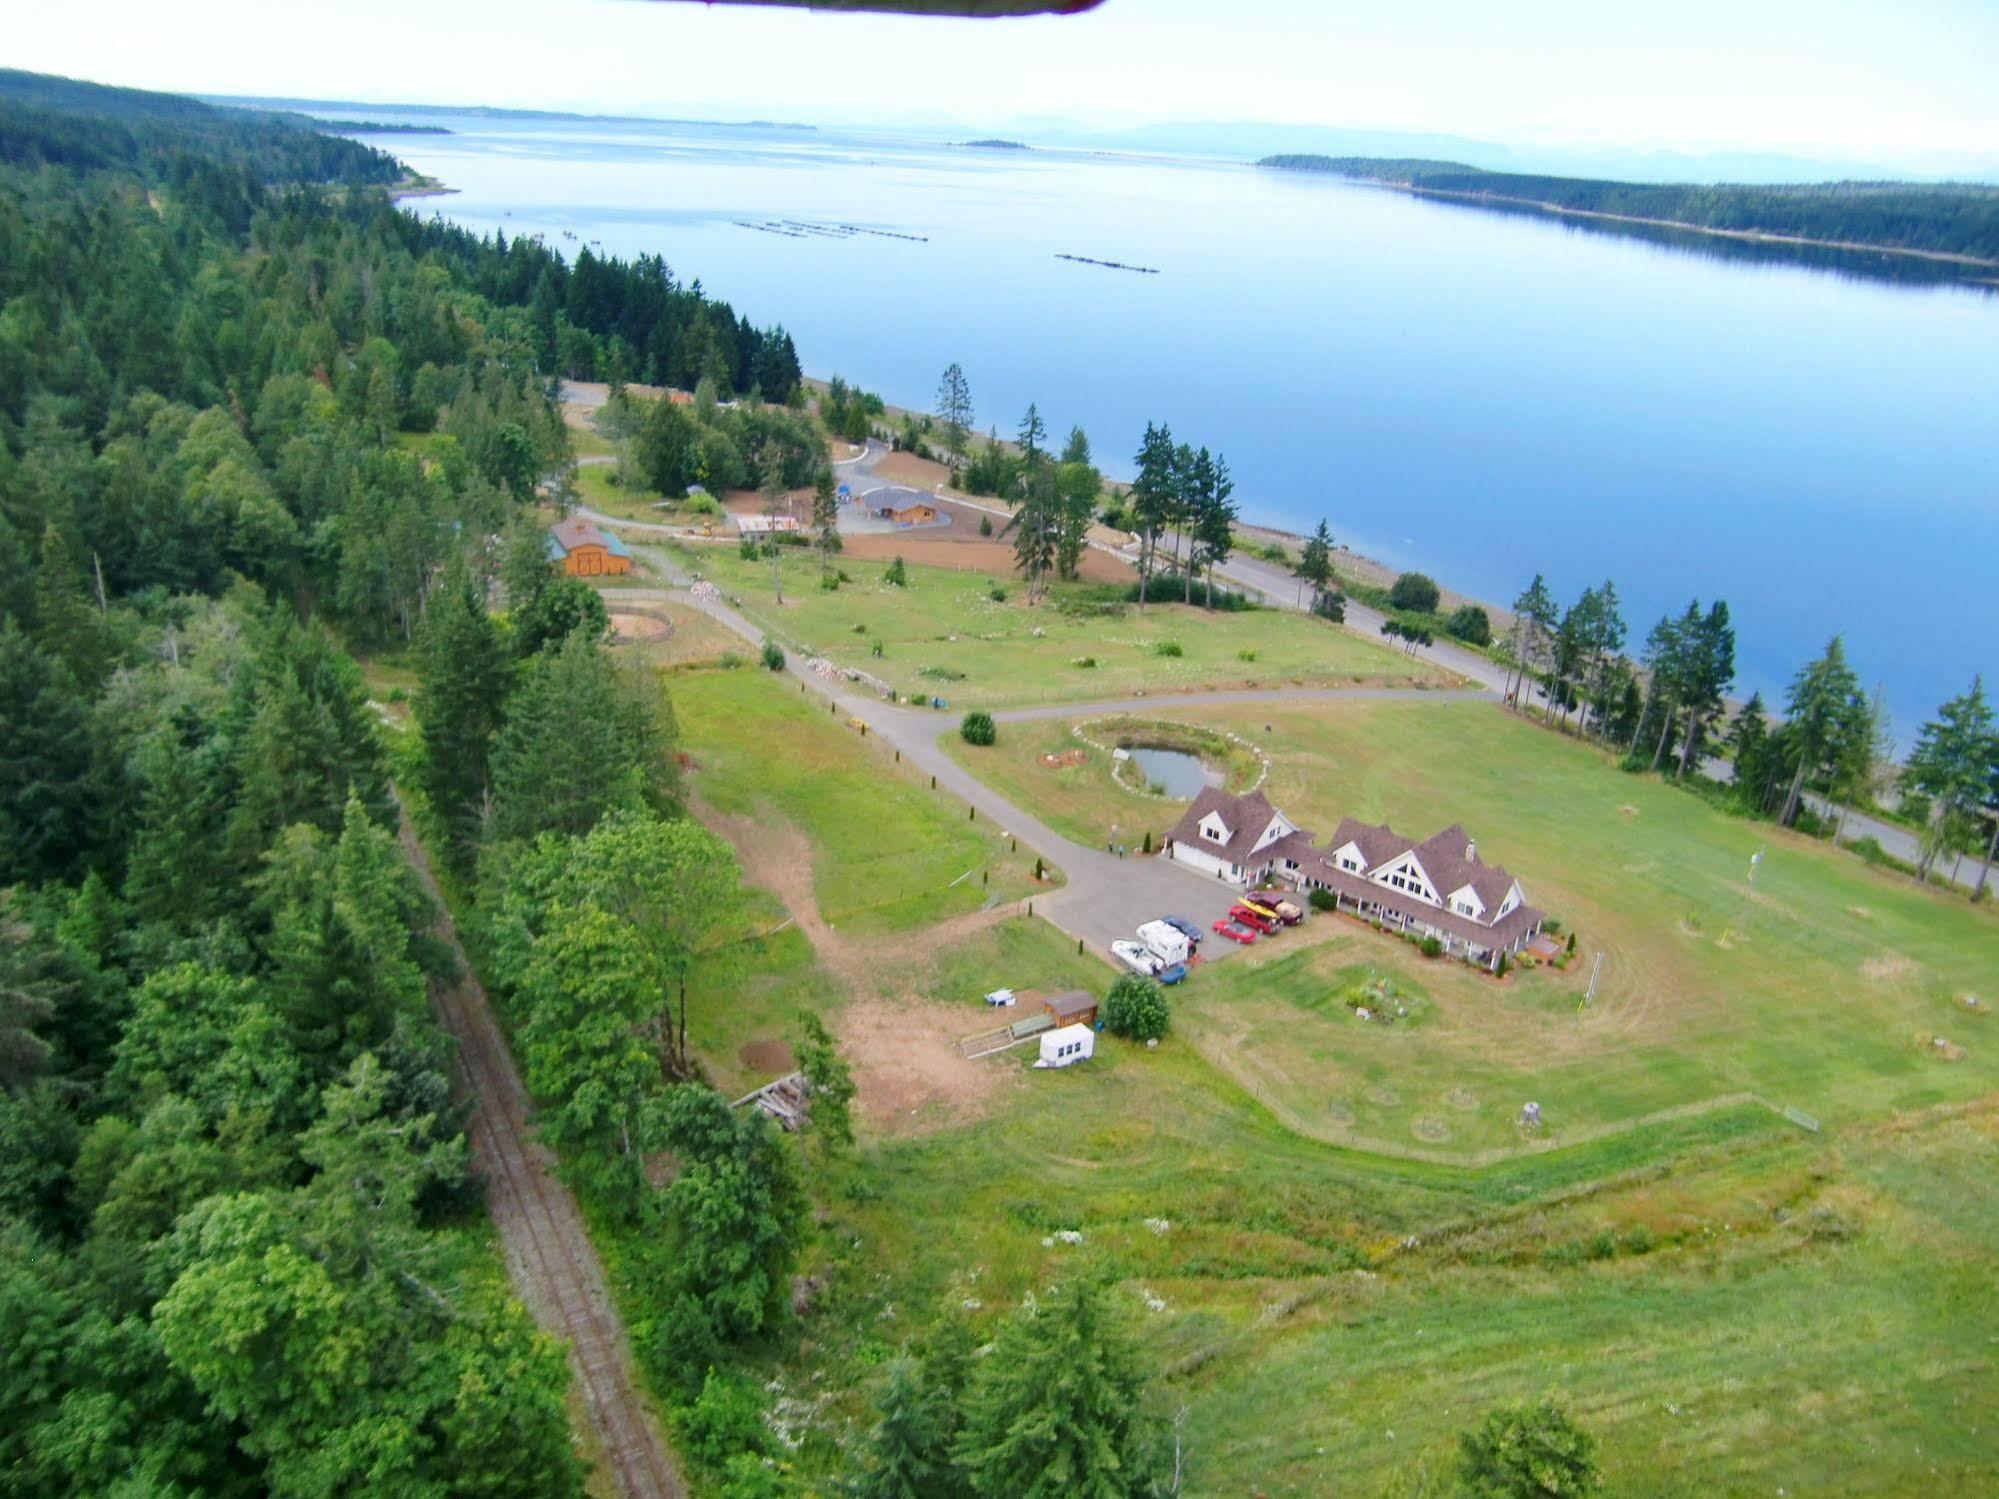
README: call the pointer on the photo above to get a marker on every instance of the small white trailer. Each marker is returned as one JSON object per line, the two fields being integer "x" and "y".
{"x": 1167, "y": 943}
{"x": 1067, "y": 1045}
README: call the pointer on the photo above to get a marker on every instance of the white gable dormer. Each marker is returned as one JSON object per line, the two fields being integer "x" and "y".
{"x": 1512, "y": 900}
{"x": 1278, "y": 828}
{"x": 1214, "y": 829}
{"x": 1407, "y": 873}
{"x": 1349, "y": 857}
{"x": 1465, "y": 902}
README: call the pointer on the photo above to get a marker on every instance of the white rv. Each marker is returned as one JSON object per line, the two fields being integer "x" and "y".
{"x": 1167, "y": 943}
{"x": 1070, "y": 1043}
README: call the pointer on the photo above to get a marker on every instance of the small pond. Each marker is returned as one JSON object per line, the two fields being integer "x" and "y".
{"x": 1183, "y": 775}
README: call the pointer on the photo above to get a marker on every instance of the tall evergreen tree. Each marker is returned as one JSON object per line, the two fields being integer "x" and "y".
{"x": 1152, "y": 499}
{"x": 1824, "y": 713}
{"x": 1315, "y": 562}
{"x": 582, "y": 736}
{"x": 465, "y": 676}
{"x": 1951, "y": 766}
{"x": 954, "y": 409}
{"x": 1532, "y": 634}
{"x": 1059, "y": 1406}
{"x": 1036, "y": 521}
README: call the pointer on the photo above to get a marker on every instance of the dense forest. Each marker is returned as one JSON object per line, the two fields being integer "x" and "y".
{"x": 1950, "y": 218}
{"x": 252, "y": 417}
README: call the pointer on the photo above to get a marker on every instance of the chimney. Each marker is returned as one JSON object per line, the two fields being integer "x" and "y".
{"x": 1471, "y": 851}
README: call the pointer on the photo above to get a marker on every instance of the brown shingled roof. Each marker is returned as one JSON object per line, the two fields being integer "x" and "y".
{"x": 1244, "y": 816}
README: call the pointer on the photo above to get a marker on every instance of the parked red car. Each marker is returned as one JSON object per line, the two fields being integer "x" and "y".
{"x": 1235, "y": 933}
{"x": 1249, "y": 918}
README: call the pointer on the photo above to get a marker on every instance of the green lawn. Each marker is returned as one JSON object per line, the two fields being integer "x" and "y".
{"x": 1732, "y": 1305}
{"x": 1075, "y": 796}
{"x": 944, "y": 635}
{"x": 887, "y": 852}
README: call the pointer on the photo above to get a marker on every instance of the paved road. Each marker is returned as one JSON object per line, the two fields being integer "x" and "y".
{"x": 547, "y": 1249}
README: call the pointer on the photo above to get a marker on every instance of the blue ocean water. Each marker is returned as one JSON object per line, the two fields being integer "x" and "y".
{"x": 1480, "y": 395}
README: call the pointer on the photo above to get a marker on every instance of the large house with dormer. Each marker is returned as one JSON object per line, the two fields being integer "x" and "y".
{"x": 1438, "y": 887}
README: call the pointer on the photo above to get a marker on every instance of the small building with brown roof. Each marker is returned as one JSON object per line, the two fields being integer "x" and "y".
{"x": 586, "y": 550}
{"x": 1072, "y": 1007}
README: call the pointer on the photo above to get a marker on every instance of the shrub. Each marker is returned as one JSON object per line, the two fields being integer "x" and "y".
{"x": 1431, "y": 947}
{"x": 681, "y": 1347}
{"x": 941, "y": 673}
{"x": 978, "y": 727}
{"x": 1331, "y": 605}
{"x": 1552, "y": 926}
{"x": 1039, "y": 872}
{"x": 1245, "y": 654}
{"x": 1500, "y": 971}
{"x": 997, "y": 594}
{"x": 1869, "y": 848}
{"x": 861, "y": 628}
{"x": 1470, "y": 624}
{"x": 829, "y": 581}
{"x": 1136, "y": 1007}
{"x": 896, "y": 576}
{"x": 1086, "y": 662}
{"x": 773, "y": 656}
{"x": 985, "y": 525}
{"x": 1322, "y": 900}
{"x": 1146, "y": 847}
{"x": 1168, "y": 648}
{"x": 727, "y": 1418}
{"x": 1528, "y": 1452}
{"x": 703, "y": 504}
{"x": 747, "y": 549}
{"x": 875, "y": 650}
{"x": 1171, "y": 587}
{"x": 1572, "y": 944}
{"x": 732, "y": 661}
{"x": 1415, "y": 591}
{"x": 1273, "y": 551}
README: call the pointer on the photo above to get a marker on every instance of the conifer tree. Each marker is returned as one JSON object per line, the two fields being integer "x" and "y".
{"x": 1315, "y": 562}
{"x": 1823, "y": 715}
{"x": 465, "y": 677}
{"x": 1058, "y": 1407}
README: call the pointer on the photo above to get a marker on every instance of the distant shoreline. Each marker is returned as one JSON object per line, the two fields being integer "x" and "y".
{"x": 1957, "y": 210}
{"x": 1746, "y": 236}
{"x": 419, "y": 187}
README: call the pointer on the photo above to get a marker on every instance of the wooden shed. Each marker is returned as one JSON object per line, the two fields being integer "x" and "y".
{"x": 1073, "y": 1007}
{"x": 584, "y": 550}
{"x": 915, "y": 515}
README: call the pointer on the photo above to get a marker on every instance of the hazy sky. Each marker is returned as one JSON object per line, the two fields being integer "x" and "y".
{"x": 1912, "y": 81}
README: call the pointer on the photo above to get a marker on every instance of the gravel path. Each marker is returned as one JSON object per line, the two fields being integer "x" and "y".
{"x": 548, "y": 1252}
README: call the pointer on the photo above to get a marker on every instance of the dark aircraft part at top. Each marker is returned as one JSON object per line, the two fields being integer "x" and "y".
{"x": 934, "y": 7}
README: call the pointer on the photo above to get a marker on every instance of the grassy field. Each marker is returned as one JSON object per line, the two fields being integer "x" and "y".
{"x": 1823, "y": 986}
{"x": 945, "y": 635}
{"x": 887, "y": 853}
{"x": 1731, "y": 1304}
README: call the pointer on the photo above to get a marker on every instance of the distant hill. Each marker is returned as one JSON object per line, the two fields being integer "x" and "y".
{"x": 998, "y": 145}
{"x": 1944, "y": 220}
{"x": 377, "y": 127}
{"x": 49, "y": 121}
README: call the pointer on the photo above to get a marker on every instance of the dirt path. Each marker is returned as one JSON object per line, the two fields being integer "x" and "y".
{"x": 548, "y": 1252}
{"x": 902, "y": 1046}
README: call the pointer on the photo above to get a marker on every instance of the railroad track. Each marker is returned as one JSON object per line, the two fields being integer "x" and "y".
{"x": 548, "y": 1252}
